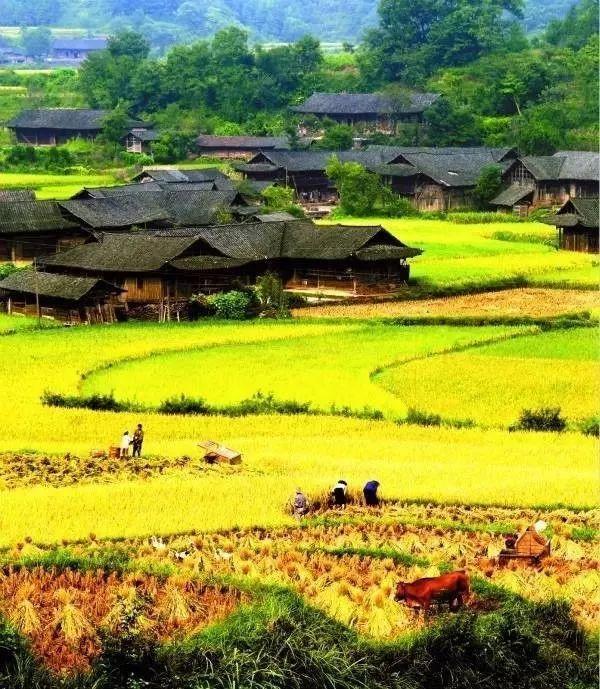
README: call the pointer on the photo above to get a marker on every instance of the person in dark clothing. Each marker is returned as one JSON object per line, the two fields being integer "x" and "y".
{"x": 339, "y": 494}
{"x": 138, "y": 439}
{"x": 370, "y": 493}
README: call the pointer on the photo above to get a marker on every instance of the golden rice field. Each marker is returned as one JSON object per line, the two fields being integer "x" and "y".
{"x": 411, "y": 462}
{"x": 347, "y": 567}
{"x": 458, "y": 255}
{"x": 492, "y": 383}
{"x": 530, "y": 301}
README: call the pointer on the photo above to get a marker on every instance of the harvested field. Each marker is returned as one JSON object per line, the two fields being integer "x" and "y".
{"x": 533, "y": 302}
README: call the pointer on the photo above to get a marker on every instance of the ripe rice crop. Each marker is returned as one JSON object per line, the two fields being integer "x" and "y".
{"x": 556, "y": 369}
{"x": 533, "y": 302}
{"x": 65, "y": 614}
{"x": 466, "y": 256}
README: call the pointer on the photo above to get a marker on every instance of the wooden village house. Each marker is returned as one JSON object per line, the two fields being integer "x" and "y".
{"x": 577, "y": 223}
{"x": 545, "y": 181}
{"x": 366, "y": 112}
{"x": 238, "y": 147}
{"x": 74, "y": 51}
{"x": 70, "y": 298}
{"x": 54, "y": 126}
{"x": 140, "y": 140}
{"x": 179, "y": 180}
{"x": 30, "y": 228}
{"x": 167, "y": 266}
{"x": 432, "y": 179}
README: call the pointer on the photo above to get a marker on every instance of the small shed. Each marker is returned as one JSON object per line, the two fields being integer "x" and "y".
{"x": 577, "y": 223}
{"x": 140, "y": 140}
{"x": 530, "y": 546}
{"x": 215, "y": 453}
{"x": 517, "y": 198}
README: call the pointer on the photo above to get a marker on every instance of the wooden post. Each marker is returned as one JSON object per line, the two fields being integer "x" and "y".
{"x": 37, "y": 293}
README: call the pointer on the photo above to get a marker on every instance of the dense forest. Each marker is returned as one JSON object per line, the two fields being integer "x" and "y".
{"x": 498, "y": 87}
{"x": 165, "y": 22}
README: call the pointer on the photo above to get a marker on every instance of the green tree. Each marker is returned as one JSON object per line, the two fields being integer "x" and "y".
{"x": 359, "y": 189}
{"x": 488, "y": 185}
{"x": 37, "y": 42}
{"x": 115, "y": 124}
{"x": 413, "y": 39}
{"x": 337, "y": 137}
{"x": 449, "y": 125}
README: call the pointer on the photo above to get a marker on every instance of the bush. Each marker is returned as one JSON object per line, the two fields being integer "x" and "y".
{"x": 296, "y": 301}
{"x": 420, "y": 418}
{"x": 260, "y": 403}
{"x": 199, "y": 306}
{"x": 95, "y": 402}
{"x": 273, "y": 300}
{"x": 7, "y": 269}
{"x": 591, "y": 426}
{"x": 232, "y": 305}
{"x": 184, "y": 405}
{"x": 545, "y": 419}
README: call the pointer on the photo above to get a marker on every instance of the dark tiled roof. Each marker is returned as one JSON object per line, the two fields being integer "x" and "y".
{"x": 380, "y": 252}
{"x": 577, "y": 211}
{"x": 174, "y": 175}
{"x": 206, "y": 263}
{"x": 188, "y": 207}
{"x": 365, "y": 103}
{"x": 132, "y": 252}
{"x": 18, "y": 217}
{"x": 16, "y": 195}
{"x": 278, "y": 216}
{"x": 242, "y": 142}
{"x": 543, "y": 167}
{"x": 296, "y": 238}
{"x": 79, "y": 43}
{"x": 60, "y": 118}
{"x": 133, "y": 204}
{"x": 239, "y": 244}
{"x": 68, "y": 287}
{"x": 118, "y": 211}
{"x": 70, "y": 119}
{"x": 144, "y": 134}
{"x": 394, "y": 170}
{"x": 448, "y": 166}
{"x": 134, "y": 189}
{"x": 304, "y": 239}
{"x": 579, "y": 165}
{"x": 564, "y": 166}
{"x": 453, "y": 168}
{"x": 305, "y": 161}
{"x": 512, "y": 195}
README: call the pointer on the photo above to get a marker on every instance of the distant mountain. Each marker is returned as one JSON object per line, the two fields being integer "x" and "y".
{"x": 539, "y": 12}
{"x": 169, "y": 21}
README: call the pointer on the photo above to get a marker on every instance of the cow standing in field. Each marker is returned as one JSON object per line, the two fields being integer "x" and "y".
{"x": 452, "y": 588}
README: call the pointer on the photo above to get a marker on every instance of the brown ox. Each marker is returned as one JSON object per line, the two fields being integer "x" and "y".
{"x": 452, "y": 588}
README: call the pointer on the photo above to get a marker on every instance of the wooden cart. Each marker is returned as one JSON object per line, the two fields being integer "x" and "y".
{"x": 530, "y": 547}
{"x": 215, "y": 453}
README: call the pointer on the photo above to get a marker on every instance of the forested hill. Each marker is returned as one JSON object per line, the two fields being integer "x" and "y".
{"x": 171, "y": 21}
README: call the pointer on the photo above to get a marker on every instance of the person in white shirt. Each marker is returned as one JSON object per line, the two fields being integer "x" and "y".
{"x": 339, "y": 494}
{"x": 125, "y": 441}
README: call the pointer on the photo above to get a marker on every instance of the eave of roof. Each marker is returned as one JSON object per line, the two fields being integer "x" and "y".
{"x": 56, "y": 285}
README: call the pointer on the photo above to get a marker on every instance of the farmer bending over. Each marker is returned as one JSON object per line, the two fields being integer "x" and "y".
{"x": 370, "y": 493}
{"x": 339, "y": 494}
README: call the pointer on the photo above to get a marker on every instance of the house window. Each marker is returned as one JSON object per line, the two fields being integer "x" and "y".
{"x": 139, "y": 283}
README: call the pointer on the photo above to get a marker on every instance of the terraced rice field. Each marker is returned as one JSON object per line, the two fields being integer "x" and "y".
{"x": 532, "y": 302}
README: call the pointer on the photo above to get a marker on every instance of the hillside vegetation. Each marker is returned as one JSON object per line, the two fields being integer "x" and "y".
{"x": 329, "y": 20}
